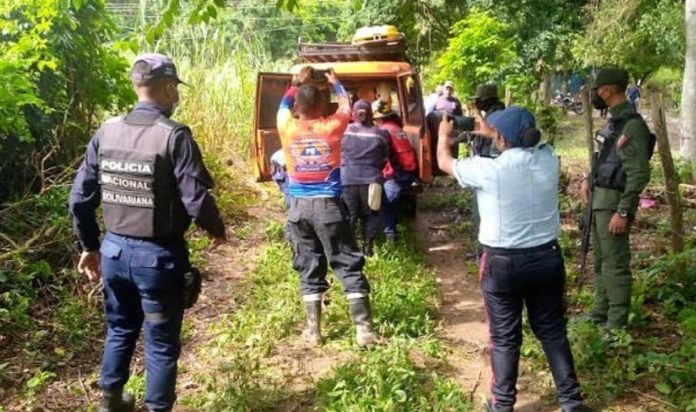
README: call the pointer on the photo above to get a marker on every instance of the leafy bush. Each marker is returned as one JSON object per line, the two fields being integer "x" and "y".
{"x": 58, "y": 75}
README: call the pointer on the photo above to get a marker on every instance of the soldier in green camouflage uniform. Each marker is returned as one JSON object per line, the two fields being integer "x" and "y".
{"x": 620, "y": 173}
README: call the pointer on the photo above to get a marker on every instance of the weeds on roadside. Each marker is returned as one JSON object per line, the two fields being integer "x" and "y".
{"x": 404, "y": 302}
{"x": 388, "y": 379}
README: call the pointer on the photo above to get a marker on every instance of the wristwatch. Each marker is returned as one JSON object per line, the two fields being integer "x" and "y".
{"x": 622, "y": 213}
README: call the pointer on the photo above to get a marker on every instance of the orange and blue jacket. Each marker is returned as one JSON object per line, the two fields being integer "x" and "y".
{"x": 312, "y": 148}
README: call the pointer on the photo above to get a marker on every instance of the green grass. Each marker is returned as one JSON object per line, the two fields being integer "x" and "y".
{"x": 404, "y": 301}
{"x": 388, "y": 379}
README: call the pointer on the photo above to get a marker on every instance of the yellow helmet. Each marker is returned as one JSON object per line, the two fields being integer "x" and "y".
{"x": 382, "y": 109}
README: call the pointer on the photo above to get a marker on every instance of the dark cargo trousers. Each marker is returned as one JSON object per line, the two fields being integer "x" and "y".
{"x": 355, "y": 197}
{"x": 613, "y": 280}
{"x": 321, "y": 234}
{"x": 535, "y": 277}
{"x": 143, "y": 285}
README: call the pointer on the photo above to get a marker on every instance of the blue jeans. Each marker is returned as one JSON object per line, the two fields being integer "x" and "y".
{"x": 143, "y": 284}
{"x": 534, "y": 277}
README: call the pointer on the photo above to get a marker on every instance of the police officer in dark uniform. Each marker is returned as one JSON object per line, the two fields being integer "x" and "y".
{"x": 148, "y": 173}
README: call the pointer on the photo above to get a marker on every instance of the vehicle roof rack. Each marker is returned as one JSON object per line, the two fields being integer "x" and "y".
{"x": 376, "y": 50}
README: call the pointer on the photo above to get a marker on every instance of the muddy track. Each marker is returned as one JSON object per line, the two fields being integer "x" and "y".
{"x": 463, "y": 327}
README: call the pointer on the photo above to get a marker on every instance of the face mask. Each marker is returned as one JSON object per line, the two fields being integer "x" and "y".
{"x": 484, "y": 105}
{"x": 597, "y": 102}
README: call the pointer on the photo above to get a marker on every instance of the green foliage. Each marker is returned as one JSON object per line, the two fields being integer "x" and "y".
{"x": 643, "y": 35}
{"x": 269, "y": 318}
{"x": 480, "y": 50}
{"x": 388, "y": 380}
{"x": 25, "y": 26}
{"x": 670, "y": 81}
{"x": 425, "y": 24}
{"x": 646, "y": 353}
{"x": 271, "y": 311}
{"x": 548, "y": 119}
{"x": 39, "y": 380}
{"x": 59, "y": 75}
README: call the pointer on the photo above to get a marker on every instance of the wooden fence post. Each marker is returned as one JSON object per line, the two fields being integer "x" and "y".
{"x": 587, "y": 113}
{"x": 657, "y": 112}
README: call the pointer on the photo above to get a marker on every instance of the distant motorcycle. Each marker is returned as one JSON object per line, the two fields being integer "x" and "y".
{"x": 569, "y": 104}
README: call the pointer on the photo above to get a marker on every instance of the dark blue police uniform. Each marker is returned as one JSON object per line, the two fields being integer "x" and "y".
{"x": 143, "y": 274}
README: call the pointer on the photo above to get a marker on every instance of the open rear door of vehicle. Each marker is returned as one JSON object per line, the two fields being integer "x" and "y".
{"x": 270, "y": 88}
{"x": 413, "y": 113}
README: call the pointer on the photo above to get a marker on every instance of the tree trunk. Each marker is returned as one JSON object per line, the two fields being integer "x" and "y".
{"x": 565, "y": 82}
{"x": 671, "y": 178}
{"x": 587, "y": 112}
{"x": 545, "y": 87}
{"x": 688, "y": 106}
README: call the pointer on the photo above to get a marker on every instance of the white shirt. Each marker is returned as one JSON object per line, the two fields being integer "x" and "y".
{"x": 278, "y": 157}
{"x": 517, "y": 195}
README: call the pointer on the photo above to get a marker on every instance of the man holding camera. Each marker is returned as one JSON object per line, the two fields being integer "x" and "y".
{"x": 486, "y": 101}
{"x": 319, "y": 221}
{"x": 148, "y": 172}
{"x": 522, "y": 264}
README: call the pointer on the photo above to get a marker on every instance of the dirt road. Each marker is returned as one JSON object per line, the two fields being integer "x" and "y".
{"x": 464, "y": 327}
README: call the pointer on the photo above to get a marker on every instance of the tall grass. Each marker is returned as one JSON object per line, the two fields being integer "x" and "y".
{"x": 221, "y": 70}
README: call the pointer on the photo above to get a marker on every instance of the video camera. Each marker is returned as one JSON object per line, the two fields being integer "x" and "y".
{"x": 462, "y": 125}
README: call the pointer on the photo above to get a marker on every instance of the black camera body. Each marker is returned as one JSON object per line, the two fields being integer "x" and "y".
{"x": 461, "y": 123}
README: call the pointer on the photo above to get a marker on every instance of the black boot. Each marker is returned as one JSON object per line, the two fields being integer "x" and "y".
{"x": 368, "y": 249}
{"x": 115, "y": 400}
{"x": 312, "y": 331}
{"x": 362, "y": 317}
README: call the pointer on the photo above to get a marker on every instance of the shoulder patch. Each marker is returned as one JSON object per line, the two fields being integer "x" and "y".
{"x": 622, "y": 141}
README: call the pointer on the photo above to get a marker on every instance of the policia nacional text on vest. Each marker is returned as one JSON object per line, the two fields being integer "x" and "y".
{"x": 139, "y": 193}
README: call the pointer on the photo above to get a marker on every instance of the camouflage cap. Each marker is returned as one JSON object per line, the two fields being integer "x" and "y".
{"x": 607, "y": 77}
{"x": 485, "y": 91}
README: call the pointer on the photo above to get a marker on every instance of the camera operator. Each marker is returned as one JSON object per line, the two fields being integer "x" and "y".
{"x": 522, "y": 264}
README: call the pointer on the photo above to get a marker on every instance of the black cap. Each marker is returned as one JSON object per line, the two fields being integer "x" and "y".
{"x": 485, "y": 91}
{"x": 151, "y": 66}
{"x": 607, "y": 77}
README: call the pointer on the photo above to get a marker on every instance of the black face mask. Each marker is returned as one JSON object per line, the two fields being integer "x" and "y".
{"x": 597, "y": 102}
{"x": 484, "y": 105}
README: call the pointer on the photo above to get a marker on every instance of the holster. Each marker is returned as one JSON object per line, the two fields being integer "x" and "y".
{"x": 192, "y": 287}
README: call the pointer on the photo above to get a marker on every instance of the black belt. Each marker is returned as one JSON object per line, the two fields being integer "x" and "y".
{"x": 506, "y": 251}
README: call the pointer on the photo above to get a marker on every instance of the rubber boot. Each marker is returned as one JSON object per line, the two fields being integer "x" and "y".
{"x": 362, "y": 317}
{"x": 312, "y": 331}
{"x": 368, "y": 248}
{"x": 115, "y": 400}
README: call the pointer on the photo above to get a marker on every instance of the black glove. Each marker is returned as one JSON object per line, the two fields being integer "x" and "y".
{"x": 192, "y": 287}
